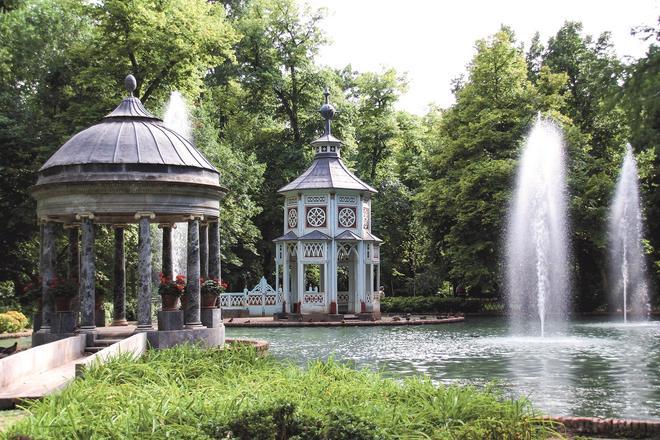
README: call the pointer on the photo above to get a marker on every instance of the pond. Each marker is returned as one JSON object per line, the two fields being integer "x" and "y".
{"x": 595, "y": 369}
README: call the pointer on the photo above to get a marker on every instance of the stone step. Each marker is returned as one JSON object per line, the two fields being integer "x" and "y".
{"x": 107, "y": 341}
{"x": 351, "y": 317}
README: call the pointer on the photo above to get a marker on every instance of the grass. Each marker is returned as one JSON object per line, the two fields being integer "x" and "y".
{"x": 189, "y": 393}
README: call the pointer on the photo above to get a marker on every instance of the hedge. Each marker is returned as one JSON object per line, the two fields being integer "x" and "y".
{"x": 437, "y": 304}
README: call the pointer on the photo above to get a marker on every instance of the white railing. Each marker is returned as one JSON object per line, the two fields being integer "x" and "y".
{"x": 262, "y": 300}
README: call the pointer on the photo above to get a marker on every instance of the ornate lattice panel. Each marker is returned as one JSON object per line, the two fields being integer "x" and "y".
{"x": 314, "y": 250}
{"x": 346, "y": 217}
{"x": 376, "y": 252}
{"x": 315, "y": 199}
{"x": 342, "y": 298}
{"x": 314, "y": 298}
{"x": 316, "y": 217}
{"x": 291, "y": 201}
{"x": 369, "y": 297}
{"x": 347, "y": 200}
{"x": 365, "y": 218}
{"x": 292, "y": 217}
{"x": 232, "y": 300}
{"x": 344, "y": 251}
{"x": 292, "y": 249}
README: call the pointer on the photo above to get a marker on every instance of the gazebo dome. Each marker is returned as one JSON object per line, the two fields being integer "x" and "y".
{"x": 128, "y": 162}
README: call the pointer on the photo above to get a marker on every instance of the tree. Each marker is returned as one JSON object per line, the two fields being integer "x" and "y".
{"x": 471, "y": 164}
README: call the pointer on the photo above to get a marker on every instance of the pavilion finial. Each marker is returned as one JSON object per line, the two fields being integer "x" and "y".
{"x": 327, "y": 111}
{"x": 130, "y": 83}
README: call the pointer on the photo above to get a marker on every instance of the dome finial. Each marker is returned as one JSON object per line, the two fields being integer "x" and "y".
{"x": 327, "y": 111}
{"x": 130, "y": 83}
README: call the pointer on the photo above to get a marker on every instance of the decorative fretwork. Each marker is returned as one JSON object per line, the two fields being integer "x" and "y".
{"x": 316, "y": 217}
{"x": 365, "y": 217}
{"x": 292, "y": 217}
{"x": 292, "y": 249}
{"x": 314, "y": 298}
{"x": 344, "y": 251}
{"x": 232, "y": 300}
{"x": 369, "y": 297}
{"x": 347, "y": 200}
{"x": 376, "y": 252}
{"x": 313, "y": 250}
{"x": 263, "y": 295}
{"x": 343, "y": 298}
{"x": 368, "y": 251}
{"x": 347, "y": 217}
{"x": 291, "y": 201}
{"x": 315, "y": 199}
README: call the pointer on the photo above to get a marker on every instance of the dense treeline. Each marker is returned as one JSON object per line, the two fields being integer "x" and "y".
{"x": 251, "y": 72}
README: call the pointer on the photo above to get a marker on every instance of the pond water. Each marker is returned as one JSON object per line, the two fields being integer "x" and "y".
{"x": 595, "y": 369}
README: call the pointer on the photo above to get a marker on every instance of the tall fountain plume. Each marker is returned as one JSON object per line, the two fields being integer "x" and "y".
{"x": 177, "y": 117}
{"x": 537, "y": 256}
{"x": 628, "y": 278}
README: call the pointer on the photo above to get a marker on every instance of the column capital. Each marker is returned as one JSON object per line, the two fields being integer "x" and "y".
{"x": 193, "y": 217}
{"x": 142, "y": 214}
{"x": 82, "y": 215}
{"x": 119, "y": 226}
{"x": 166, "y": 225}
{"x": 44, "y": 220}
{"x": 71, "y": 225}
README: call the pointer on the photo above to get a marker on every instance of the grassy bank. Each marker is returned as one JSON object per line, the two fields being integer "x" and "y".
{"x": 188, "y": 393}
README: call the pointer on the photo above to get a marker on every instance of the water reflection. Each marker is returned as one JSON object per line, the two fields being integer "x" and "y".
{"x": 596, "y": 369}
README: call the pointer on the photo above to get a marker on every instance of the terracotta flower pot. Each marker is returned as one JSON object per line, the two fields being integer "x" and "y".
{"x": 208, "y": 300}
{"x": 170, "y": 302}
{"x": 63, "y": 303}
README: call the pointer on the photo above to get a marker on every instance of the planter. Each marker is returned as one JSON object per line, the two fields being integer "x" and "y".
{"x": 208, "y": 300}
{"x": 170, "y": 302}
{"x": 63, "y": 303}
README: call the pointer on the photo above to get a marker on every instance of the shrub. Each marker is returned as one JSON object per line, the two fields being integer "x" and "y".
{"x": 185, "y": 392}
{"x": 12, "y": 322}
{"x": 437, "y": 304}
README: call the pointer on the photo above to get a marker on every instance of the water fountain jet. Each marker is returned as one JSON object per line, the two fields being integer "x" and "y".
{"x": 177, "y": 117}
{"x": 627, "y": 265}
{"x": 537, "y": 256}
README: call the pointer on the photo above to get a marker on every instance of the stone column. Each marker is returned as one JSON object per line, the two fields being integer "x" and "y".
{"x": 300, "y": 277}
{"x": 119, "y": 297}
{"x": 168, "y": 267}
{"x": 192, "y": 312}
{"x": 87, "y": 274}
{"x": 48, "y": 255}
{"x": 214, "y": 250}
{"x": 286, "y": 291}
{"x": 144, "y": 271}
{"x": 73, "y": 262}
{"x": 203, "y": 250}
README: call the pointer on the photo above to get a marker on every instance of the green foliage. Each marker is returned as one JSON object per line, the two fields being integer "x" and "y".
{"x": 464, "y": 201}
{"x": 439, "y": 304}
{"x": 186, "y": 392}
{"x": 12, "y": 322}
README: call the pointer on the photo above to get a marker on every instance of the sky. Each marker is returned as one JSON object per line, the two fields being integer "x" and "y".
{"x": 433, "y": 41}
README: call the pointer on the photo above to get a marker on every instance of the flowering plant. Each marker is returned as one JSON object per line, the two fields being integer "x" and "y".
{"x": 63, "y": 287}
{"x": 168, "y": 286}
{"x": 213, "y": 286}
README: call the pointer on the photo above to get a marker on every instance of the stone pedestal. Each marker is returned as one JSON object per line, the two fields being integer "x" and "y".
{"x": 169, "y": 320}
{"x": 211, "y": 318}
{"x": 206, "y": 337}
{"x": 62, "y": 322}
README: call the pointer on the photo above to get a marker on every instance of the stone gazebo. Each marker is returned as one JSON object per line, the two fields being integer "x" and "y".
{"x": 130, "y": 168}
{"x": 330, "y": 260}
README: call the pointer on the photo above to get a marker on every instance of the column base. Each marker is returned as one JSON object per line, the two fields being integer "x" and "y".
{"x": 207, "y": 337}
{"x": 119, "y": 323}
{"x": 144, "y": 328}
{"x": 194, "y": 325}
